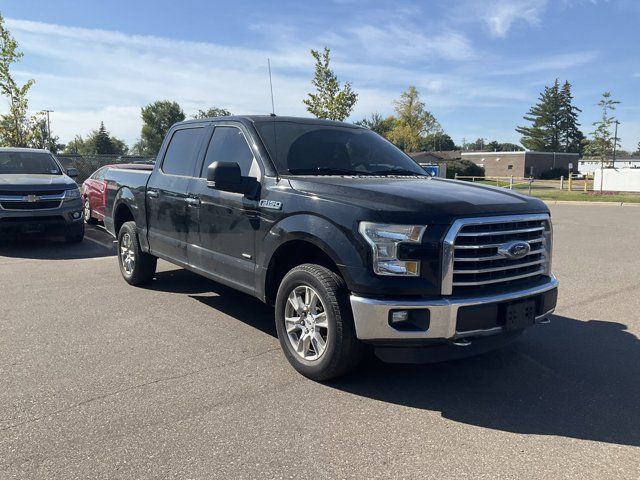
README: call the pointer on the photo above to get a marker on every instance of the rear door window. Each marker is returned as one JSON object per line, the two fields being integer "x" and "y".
{"x": 182, "y": 152}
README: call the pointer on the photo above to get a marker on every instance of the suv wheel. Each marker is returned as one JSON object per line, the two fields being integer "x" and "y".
{"x": 137, "y": 267}
{"x": 315, "y": 323}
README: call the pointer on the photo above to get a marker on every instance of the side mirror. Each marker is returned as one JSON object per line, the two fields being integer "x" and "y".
{"x": 72, "y": 172}
{"x": 225, "y": 176}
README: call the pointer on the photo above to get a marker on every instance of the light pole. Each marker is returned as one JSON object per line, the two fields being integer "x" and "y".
{"x": 48, "y": 124}
{"x": 615, "y": 144}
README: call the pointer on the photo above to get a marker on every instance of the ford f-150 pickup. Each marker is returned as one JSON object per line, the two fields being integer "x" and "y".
{"x": 354, "y": 244}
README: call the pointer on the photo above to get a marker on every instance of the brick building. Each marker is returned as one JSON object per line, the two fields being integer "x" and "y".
{"x": 521, "y": 164}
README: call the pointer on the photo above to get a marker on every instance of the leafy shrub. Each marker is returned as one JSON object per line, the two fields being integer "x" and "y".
{"x": 555, "y": 174}
{"x": 464, "y": 168}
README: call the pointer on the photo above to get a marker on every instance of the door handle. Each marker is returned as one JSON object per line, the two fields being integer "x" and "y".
{"x": 192, "y": 201}
{"x": 152, "y": 193}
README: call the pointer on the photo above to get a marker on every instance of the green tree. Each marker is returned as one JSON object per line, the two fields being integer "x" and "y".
{"x": 212, "y": 112}
{"x": 438, "y": 141}
{"x": 638, "y": 151}
{"x": 509, "y": 147}
{"x": 330, "y": 101}
{"x": 544, "y": 133}
{"x": 414, "y": 121}
{"x": 39, "y": 137}
{"x": 378, "y": 123}
{"x": 570, "y": 135}
{"x": 98, "y": 142}
{"x": 15, "y": 126}
{"x": 157, "y": 118}
{"x": 602, "y": 139}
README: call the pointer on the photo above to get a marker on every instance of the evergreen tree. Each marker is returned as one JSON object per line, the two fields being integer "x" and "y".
{"x": 545, "y": 132}
{"x": 571, "y": 138}
{"x": 98, "y": 142}
{"x": 330, "y": 100}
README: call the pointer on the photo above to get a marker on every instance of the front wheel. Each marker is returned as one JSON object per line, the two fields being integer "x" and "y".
{"x": 136, "y": 266}
{"x": 315, "y": 323}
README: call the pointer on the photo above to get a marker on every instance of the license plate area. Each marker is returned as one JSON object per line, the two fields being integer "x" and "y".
{"x": 519, "y": 315}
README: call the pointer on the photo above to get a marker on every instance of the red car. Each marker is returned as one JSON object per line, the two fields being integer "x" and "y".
{"x": 94, "y": 190}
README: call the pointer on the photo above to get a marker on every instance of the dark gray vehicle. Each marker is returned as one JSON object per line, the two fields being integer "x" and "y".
{"x": 353, "y": 242}
{"x": 37, "y": 196}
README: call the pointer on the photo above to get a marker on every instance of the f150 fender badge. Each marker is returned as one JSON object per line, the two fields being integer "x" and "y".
{"x": 272, "y": 204}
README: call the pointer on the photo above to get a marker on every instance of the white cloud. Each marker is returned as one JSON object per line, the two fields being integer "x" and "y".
{"x": 500, "y": 15}
{"x": 551, "y": 63}
{"x": 410, "y": 44}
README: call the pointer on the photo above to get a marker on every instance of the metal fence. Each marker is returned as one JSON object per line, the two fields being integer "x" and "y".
{"x": 574, "y": 182}
{"x": 87, "y": 164}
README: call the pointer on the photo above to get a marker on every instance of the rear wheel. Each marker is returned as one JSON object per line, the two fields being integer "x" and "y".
{"x": 315, "y": 324}
{"x": 86, "y": 213}
{"x": 136, "y": 266}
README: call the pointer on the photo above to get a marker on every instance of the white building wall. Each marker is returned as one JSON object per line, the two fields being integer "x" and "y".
{"x": 617, "y": 179}
{"x": 590, "y": 166}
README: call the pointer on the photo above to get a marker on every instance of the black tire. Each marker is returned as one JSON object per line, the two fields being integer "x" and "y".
{"x": 77, "y": 236}
{"x": 86, "y": 213}
{"x": 144, "y": 264}
{"x": 343, "y": 350}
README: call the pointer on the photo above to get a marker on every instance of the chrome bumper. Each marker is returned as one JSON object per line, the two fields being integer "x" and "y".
{"x": 371, "y": 316}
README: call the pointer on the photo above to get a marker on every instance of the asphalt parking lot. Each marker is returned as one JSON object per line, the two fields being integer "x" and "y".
{"x": 185, "y": 379}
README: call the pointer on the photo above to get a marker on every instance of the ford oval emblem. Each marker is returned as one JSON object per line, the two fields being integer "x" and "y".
{"x": 514, "y": 250}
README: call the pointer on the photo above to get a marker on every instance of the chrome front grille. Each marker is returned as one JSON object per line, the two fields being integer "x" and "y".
{"x": 36, "y": 200}
{"x": 474, "y": 258}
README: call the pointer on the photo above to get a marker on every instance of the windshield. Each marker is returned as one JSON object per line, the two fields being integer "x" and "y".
{"x": 313, "y": 149}
{"x": 30, "y": 163}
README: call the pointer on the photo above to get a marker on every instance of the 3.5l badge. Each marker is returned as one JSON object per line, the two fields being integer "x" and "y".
{"x": 272, "y": 204}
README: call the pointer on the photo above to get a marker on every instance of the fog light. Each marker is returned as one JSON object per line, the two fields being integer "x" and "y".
{"x": 76, "y": 215}
{"x": 399, "y": 316}
{"x": 414, "y": 320}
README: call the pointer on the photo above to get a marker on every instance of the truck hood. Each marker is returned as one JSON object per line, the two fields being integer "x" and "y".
{"x": 24, "y": 182}
{"x": 421, "y": 200}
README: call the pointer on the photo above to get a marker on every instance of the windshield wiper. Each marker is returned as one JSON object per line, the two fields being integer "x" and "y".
{"x": 400, "y": 171}
{"x": 325, "y": 171}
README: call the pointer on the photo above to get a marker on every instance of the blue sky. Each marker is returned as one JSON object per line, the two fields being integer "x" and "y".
{"x": 479, "y": 65}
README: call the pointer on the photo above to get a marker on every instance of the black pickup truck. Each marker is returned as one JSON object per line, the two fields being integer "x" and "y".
{"x": 351, "y": 241}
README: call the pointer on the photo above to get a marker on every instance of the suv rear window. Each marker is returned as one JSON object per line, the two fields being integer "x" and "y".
{"x": 181, "y": 155}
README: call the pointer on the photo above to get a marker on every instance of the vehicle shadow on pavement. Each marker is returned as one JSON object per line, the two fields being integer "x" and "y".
{"x": 238, "y": 305}
{"x": 95, "y": 244}
{"x": 571, "y": 378}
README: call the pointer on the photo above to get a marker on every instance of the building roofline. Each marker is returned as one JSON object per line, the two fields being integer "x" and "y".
{"x": 519, "y": 152}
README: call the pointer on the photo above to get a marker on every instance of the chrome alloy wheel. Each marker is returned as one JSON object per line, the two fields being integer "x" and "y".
{"x": 306, "y": 322}
{"x": 127, "y": 254}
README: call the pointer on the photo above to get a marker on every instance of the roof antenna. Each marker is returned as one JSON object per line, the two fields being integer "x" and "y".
{"x": 273, "y": 108}
{"x": 273, "y": 117}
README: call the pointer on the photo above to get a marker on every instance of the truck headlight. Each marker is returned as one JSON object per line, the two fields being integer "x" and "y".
{"x": 384, "y": 240}
{"x": 72, "y": 194}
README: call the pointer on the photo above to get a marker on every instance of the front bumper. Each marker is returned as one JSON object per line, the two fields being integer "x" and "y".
{"x": 54, "y": 221}
{"x": 371, "y": 316}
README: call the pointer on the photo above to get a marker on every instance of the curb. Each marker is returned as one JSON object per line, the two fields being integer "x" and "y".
{"x": 581, "y": 202}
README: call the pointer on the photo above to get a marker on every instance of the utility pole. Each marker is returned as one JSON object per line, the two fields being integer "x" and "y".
{"x": 48, "y": 125}
{"x": 615, "y": 144}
